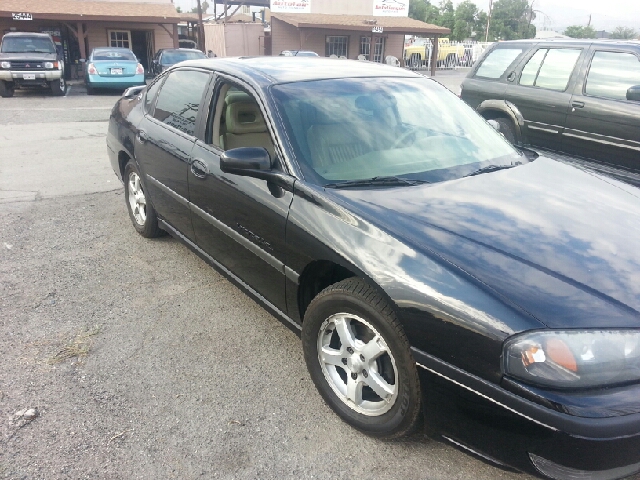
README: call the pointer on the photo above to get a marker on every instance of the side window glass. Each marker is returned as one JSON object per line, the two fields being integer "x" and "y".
{"x": 179, "y": 99}
{"x": 611, "y": 74}
{"x": 152, "y": 91}
{"x": 530, "y": 70}
{"x": 556, "y": 68}
{"x": 494, "y": 64}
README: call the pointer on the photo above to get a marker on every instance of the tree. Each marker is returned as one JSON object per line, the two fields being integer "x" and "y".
{"x": 466, "y": 20}
{"x": 178, "y": 9}
{"x": 624, "y": 33}
{"x": 424, "y": 11}
{"x": 511, "y": 19}
{"x": 578, "y": 31}
{"x": 447, "y": 15}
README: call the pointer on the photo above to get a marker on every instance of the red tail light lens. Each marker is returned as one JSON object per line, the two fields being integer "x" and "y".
{"x": 92, "y": 69}
{"x": 139, "y": 69}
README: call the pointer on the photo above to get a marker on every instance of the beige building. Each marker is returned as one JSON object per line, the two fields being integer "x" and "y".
{"x": 78, "y": 26}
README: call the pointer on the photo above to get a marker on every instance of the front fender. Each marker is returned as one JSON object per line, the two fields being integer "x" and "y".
{"x": 489, "y": 108}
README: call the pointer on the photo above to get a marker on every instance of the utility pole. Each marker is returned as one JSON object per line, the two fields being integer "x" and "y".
{"x": 486, "y": 36}
{"x": 200, "y": 28}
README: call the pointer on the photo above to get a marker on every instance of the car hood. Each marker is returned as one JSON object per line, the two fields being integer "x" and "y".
{"x": 560, "y": 242}
{"x": 41, "y": 57}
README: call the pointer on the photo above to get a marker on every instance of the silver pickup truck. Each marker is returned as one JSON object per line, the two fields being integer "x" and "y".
{"x": 30, "y": 60}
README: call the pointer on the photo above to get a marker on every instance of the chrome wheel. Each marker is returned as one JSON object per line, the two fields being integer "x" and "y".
{"x": 137, "y": 200}
{"x": 358, "y": 364}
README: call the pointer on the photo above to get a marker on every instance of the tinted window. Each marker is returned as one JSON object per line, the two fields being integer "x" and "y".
{"x": 611, "y": 74}
{"x": 152, "y": 91}
{"x": 114, "y": 55}
{"x": 556, "y": 68}
{"x": 530, "y": 70}
{"x": 173, "y": 57}
{"x": 27, "y": 45}
{"x": 494, "y": 65}
{"x": 179, "y": 99}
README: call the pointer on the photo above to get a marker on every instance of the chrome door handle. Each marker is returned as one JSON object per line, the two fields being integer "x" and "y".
{"x": 199, "y": 169}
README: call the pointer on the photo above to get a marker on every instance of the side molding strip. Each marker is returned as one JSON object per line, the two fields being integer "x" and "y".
{"x": 179, "y": 198}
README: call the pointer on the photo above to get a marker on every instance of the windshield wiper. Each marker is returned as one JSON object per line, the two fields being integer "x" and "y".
{"x": 492, "y": 168}
{"x": 376, "y": 181}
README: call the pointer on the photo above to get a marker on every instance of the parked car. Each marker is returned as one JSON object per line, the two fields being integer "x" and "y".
{"x": 580, "y": 97}
{"x": 431, "y": 268}
{"x": 298, "y": 53}
{"x": 167, "y": 57}
{"x": 30, "y": 60}
{"x": 112, "y": 68}
{"x": 449, "y": 54}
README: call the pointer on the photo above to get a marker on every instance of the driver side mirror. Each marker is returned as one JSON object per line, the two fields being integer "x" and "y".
{"x": 633, "y": 93}
{"x": 246, "y": 161}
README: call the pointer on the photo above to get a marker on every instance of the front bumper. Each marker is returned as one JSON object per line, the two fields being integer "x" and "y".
{"x": 509, "y": 430}
{"x": 30, "y": 76}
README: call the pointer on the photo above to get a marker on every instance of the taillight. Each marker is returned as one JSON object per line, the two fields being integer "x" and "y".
{"x": 92, "y": 69}
{"x": 139, "y": 69}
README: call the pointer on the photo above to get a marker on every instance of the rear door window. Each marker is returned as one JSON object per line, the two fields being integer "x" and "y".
{"x": 179, "y": 99}
{"x": 550, "y": 68}
{"x": 498, "y": 60}
{"x": 611, "y": 74}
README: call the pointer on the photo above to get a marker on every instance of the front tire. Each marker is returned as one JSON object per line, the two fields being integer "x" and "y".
{"x": 58, "y": 87}
{"x": 142, "y": 214}
{"x": 507, "y": 130}
{"x": 6, "y": 89}
{"x": 359, "y": 359}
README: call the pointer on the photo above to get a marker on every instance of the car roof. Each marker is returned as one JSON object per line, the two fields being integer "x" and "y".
{"x": 26, "y": 34}
{"x": 110, "y": 49}
{"x": 272, "y": 70}
{"x": 599, "y": 42}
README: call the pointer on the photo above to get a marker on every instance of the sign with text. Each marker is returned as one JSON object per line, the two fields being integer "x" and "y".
{"x": 22, "y": 16}
{"x": 391, "y": 8}
{"x": 291, "y": 6}
{"x": 377, "y": 30}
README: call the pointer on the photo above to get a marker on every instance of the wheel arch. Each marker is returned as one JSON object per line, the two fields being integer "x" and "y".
{"x": 492, "y": 109}
{"x": 318, "y": 275}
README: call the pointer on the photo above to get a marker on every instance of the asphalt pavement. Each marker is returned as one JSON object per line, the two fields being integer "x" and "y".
{"x": 127, "y": 358}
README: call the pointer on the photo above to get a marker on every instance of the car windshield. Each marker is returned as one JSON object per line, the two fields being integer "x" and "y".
{"x": 169, "y": 58}
{"x": 363, "y": 128}
{"x": 27, "y": 45}
{"x": 114, "y": 55}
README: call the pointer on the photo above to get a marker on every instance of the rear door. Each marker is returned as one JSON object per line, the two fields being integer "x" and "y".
{"x": 602, "y": 124}
{"x": 164, "y": 143}
{"x": 541, "y": 90}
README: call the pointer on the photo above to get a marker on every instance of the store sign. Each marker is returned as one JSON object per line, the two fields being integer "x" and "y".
{"x": 290, "y": 6}
{"x": 391, "y": 8}
{"x": 22, "y": 16}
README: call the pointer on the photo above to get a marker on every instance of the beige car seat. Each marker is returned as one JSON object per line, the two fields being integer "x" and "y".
{"x": 245, "y": 127}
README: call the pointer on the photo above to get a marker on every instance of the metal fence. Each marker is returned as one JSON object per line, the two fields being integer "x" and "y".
{"x": 451, "y": 55}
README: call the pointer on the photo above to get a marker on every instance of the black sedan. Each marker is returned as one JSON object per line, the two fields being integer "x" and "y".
{"x": 433, "y": 270}
{"x": 167, "y": 57}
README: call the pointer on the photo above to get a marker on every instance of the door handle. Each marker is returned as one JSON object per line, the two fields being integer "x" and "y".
{"x": 142, "y": 136}
{"x": 577, "y": 104}
{"x": 199, "y": 169}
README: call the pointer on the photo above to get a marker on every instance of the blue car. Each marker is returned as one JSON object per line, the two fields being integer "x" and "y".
{"x": 113, "y": 68}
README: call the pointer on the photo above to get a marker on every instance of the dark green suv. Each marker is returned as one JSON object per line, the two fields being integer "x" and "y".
{"x": 580, "y": 97}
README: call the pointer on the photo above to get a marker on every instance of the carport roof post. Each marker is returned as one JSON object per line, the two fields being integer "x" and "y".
{"x": 86, "y": 10}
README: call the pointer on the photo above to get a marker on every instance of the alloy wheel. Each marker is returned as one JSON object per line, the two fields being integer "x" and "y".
{"x": 137, "y": 199}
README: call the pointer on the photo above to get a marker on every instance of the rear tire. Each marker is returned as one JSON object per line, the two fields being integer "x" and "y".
{"x": 58, "y": 87}
{"x": 507, "y": 129}
{"x": 359, "y": 359}
{"x": 142, "y": 214}
{"x": 6, "y": 89}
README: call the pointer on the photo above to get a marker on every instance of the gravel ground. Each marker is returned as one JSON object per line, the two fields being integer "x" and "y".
{"x": 131, "y": 358}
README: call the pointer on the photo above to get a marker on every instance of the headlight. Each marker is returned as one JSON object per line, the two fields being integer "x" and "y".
{"x": 574, "y": 359}
{"x": 5, "y": 64}
{"x": 48, "y": 64}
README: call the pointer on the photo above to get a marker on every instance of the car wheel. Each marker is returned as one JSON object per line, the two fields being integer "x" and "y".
{"x": 58, "y": 87}
{"x": 143, "y": 216}
{"x": 507, "y": 130}
{"x": 6, "y": 89}
{"x": 359, "y": 359}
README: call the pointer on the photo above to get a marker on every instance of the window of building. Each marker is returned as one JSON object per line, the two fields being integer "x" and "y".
{"x": 336, "y": 46}
{"x": 179, "y": 99}
{"x": 120, "y": 38}
{"x": 550, "y": 68}
{"x": 365, "y": 47}
{"x": 494, "y": 64}
{"x": 378, "y": 48}
{"x": 611, "y": 74}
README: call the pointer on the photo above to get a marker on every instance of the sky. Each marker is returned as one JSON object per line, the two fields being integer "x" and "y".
{"x": 555, "y": 14}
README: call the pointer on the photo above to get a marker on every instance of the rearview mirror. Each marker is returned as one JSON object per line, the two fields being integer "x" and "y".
{"x": 633, "y": 93}
{"x": 248, "y": 161}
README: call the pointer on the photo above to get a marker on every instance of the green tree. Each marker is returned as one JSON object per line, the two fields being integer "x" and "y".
{"x": 178, "y": 9}
{"x": 511, "y": 19}
{"x": 466, "y": 20}
{"x": 424, "y": 11}
{"x": 578, "y": 31}
{"x": 447, "y": 15}
{"x": 624, "y": 33}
